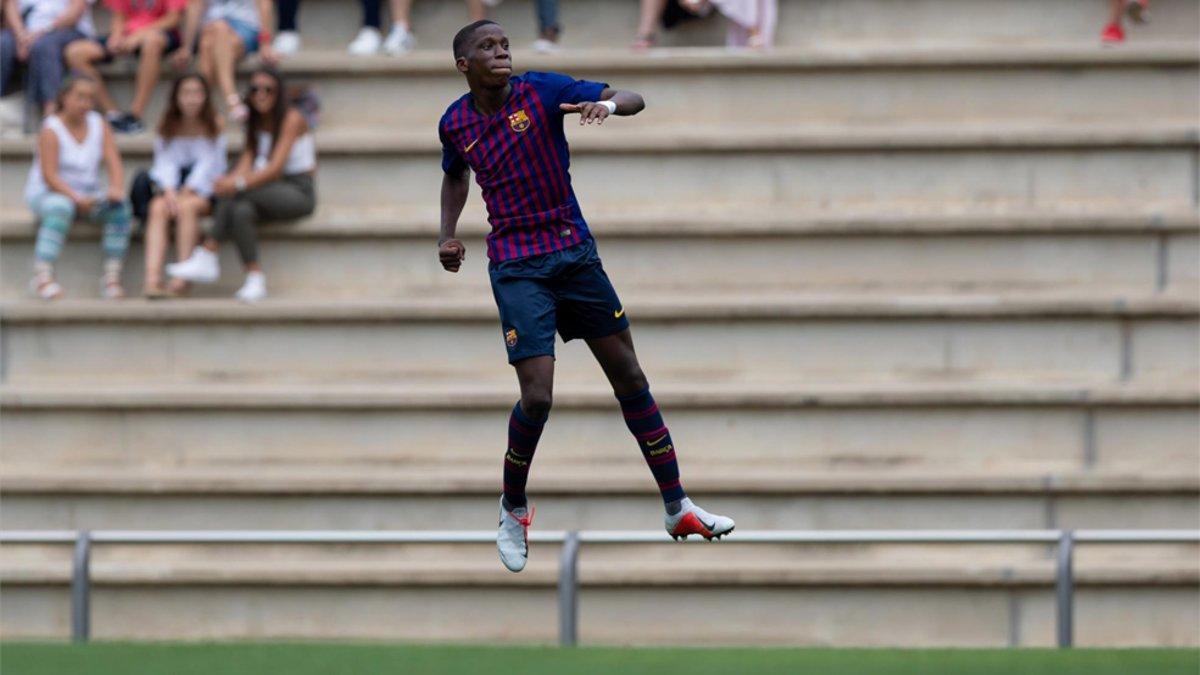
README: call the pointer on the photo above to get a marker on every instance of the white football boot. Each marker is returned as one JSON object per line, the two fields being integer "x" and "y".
{"x": 692, "y": 519}
{"x": 512, "y": 539}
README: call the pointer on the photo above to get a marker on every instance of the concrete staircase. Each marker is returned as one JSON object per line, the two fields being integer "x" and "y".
{"x": 928, "y": 265}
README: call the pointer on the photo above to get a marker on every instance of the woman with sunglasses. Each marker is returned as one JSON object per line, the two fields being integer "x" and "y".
{"x": 272, "y": 180}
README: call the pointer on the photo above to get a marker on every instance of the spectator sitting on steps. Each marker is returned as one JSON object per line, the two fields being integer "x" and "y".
{"x": 272, "y": 180}
{"x": 189, "y": 156}
{"x": 147, "y": 29}
{"x": 231, "y": 29}
{"x": 64, "y": 182}
{"x": 37, "y": 32}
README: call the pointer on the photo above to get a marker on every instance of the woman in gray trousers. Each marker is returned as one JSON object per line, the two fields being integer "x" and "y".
{"x": 273, "y": 180}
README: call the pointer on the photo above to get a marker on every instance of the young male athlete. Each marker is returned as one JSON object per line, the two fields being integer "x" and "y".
{"x": 545, "y": 272}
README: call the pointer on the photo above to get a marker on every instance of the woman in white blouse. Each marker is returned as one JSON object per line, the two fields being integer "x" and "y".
{"x": 189, "y": 156}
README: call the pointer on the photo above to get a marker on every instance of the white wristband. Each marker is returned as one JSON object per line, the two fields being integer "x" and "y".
{"x": 612, "y": 107}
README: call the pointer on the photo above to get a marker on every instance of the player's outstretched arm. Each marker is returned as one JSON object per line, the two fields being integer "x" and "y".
{"x": 451, "y": 251}
{"x": 622, "y": 102}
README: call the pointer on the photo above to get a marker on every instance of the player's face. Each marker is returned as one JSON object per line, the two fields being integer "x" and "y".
{"x": 489, "y": 62}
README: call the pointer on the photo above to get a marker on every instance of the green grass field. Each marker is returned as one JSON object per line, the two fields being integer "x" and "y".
{"x": 364, "y": 659}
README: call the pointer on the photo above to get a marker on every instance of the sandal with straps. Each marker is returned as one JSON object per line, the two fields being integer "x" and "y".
{"x": 46, "y": 288}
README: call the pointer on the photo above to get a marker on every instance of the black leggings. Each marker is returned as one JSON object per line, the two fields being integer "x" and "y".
{"x": 288, "y": 9}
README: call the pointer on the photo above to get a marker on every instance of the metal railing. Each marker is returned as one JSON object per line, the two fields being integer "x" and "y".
{"x": 568, "y": 577}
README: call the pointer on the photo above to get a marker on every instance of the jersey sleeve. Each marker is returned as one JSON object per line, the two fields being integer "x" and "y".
{"x": 556, "y": 88}
{"x": 452, "y": 162}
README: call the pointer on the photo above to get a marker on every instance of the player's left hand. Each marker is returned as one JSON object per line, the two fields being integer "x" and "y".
{"x": 589, "y": 111}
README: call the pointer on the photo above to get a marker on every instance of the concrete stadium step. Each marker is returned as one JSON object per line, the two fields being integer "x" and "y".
{"x": 1081, "y": 166}
{"x": 465, "y": 497}
{"x": 800, "y": 595}
{"x": 387, "y": 253}
{"x": 1034, "y": 428}
{"x": 331, "y": 24}
{"x": 857, "y": 85}
{"x": 735, "y": 338}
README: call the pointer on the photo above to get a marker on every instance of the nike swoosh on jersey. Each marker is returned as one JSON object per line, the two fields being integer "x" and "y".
{"x": 472, "y": 144}
{"x": 619, "y": 313}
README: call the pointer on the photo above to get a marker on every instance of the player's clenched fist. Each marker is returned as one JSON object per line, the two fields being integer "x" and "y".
{"x": 589, "y": 111}
{"x": 452, "y": 252}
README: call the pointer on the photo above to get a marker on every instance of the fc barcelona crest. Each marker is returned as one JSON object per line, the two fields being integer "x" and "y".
{"x": 510, "y": 336}
{"x": 519, "y": 121}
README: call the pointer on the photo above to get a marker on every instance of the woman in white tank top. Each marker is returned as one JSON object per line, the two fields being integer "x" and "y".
{"x": 64, "y": 183}
{"x": 272, "y": 180}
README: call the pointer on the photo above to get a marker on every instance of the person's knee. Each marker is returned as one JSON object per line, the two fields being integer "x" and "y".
{"x": 58, "y": 208}
{"x": 536, "y": 403}
{"x": 158, "y": 208}
{"x": 243, "y": 213}
{"x": 629, "y": 378}
{"x": 81, "y": 53}
{"x": 154, "y": 43}
{"x": 46, "y": 47}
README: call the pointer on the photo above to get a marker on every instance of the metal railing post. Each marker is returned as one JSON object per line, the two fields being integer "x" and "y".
{"x": 1065, "y": 588}
{"x": 81, "y": 591}
{"x": 568, "y": 591}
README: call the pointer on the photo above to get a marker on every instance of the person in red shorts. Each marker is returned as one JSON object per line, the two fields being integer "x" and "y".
{"x": 147, "y": 29}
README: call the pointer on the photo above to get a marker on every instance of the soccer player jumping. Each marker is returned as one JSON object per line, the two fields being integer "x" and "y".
{"x": 544, "y": 269}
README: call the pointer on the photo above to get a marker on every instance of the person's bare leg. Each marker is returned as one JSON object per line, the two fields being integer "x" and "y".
{"x": 187, "y": 232}
{"x": 651, "y": 14}
{"x": 227, "y": 51}
{"x": 155, "y": 243}
{"x": 1115, "y": 9}
{"x": 81, "y": 56}
{"x": 153, "y": 44}
{"x": 401, "y": 11}
{"x": 206, "y": 62}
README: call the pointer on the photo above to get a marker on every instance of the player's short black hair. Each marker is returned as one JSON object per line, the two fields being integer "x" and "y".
{"x": 463, "y": 36}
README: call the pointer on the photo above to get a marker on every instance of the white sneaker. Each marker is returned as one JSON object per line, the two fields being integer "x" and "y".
{"x": 287, "y": 42}
{"x": 399, "y": 41}
{"x": 512, "y": 539}
{"x": 544, "y": 46}
{"x": 254, "y": 289}
{"x": 366, "y": 43}
{"x": 692, "y": 519}
{"x": 202, "y": 267}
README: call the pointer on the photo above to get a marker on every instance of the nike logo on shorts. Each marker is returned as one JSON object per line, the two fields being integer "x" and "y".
{"x": 619, "y": 313}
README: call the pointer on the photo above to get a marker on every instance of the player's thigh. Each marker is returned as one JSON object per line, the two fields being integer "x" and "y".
{"x": 588, "y": 304}
{"x": 528, "y": 311}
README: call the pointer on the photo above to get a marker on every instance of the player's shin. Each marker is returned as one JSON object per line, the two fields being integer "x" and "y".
{"x": 523, "y": 435}
{"x": 646, "y": 424}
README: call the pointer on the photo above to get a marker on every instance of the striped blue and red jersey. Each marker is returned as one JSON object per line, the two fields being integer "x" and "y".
{"x": 521, "y": 163}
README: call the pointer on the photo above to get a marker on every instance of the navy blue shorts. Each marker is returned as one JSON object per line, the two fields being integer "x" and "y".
{"x": 565, "y": 291}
